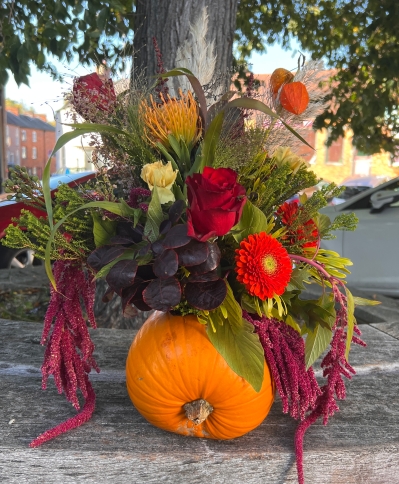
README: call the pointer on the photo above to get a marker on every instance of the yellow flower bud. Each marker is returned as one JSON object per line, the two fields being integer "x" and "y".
{"x": 162, "y": 176}
{"x": 284, "y": 155}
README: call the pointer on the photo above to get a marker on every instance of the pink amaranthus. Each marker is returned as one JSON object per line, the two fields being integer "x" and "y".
{"x": 69, "y": 352}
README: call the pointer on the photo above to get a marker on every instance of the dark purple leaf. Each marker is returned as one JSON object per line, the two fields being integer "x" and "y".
{"x": 119, "y": 240}
{"x": 207, "y": 277}
{"x": 176, "y": 237}
{"x": 146, "y": 273}
{"x": 176, "y": 210}
{"x": 212, "y": 261}
{"x": 193, "y": 254}
{"x": 157, "y": 247}
{"x": 166, "y": 264}
{"x": 128, "y": 293}
{"x": 109, "y": 294}
{"x": 126, "y": 230}
{"x": 165, "y": 227}
{"x": 206, "y": 295}
{"x": 122, "y": 275}
{"x": 144, "y": 250}
{"x": 162, "y": 294}
{"x": 104, "y": 255}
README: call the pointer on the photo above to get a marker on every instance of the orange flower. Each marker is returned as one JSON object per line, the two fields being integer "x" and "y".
{"x": 307, "y": 233}
{"x": 263, "y": 266}
{"x": 178, "y": 117}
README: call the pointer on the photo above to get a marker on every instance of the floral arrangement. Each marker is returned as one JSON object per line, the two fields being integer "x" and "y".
{"x": 191, "y": 213}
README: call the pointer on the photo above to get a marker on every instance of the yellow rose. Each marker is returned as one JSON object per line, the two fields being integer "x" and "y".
{"x": 162, "y": 176}
{"x": 285, "y": 155}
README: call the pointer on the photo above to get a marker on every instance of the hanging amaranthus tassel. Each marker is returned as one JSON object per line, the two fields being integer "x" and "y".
{"x": 69, "y": 353}
{"x": 285, "y": 353}
{"x": 335, "y": 366}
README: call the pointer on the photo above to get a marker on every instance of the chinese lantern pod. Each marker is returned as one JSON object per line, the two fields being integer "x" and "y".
{"x": 294, "y": 97}
{"x": 279, "y": 77}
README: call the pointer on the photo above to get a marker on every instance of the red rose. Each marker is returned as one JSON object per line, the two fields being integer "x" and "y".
{"x": 216, "y": 202}
{"x": 91, "y": 94}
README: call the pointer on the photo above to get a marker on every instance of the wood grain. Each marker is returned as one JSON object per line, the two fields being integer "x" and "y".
{"x": 360, "y": 445}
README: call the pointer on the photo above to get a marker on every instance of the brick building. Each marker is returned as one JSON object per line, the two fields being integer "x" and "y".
{"x": 29, "y": 141}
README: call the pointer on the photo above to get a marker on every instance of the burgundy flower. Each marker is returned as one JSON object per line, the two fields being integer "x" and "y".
{"x": 91, "y": 94}
{"x": 216, "y": 202}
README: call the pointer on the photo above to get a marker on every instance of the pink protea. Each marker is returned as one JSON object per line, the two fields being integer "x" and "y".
{"x": 69, "y": 352}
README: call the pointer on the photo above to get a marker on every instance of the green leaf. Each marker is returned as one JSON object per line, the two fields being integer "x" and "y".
{"x": 322, "y": 222}
{"x": 127, "y": 255}
{"x": 98, "y": 128}
{"x": 252, "y": 221}
{"x": 241, "y": 350}
{"x": 350, "y": 307}
{"x": 154, "y": 217}
{"x": 210, "y": 142}
{"x": 298, "y": 277}
{"x": 234, "y": 339}
{"x": 316, "y": 343}
{"x": 360, "y": 301}
{"x": 121, "y": 209}
{"x": 103, "y": 230}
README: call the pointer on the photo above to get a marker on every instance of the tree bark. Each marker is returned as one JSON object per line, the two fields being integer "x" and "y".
{"x": 169, "y": 22}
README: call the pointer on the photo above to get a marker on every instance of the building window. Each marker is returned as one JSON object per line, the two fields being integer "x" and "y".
{"x": 334, "y": 153}
{"x": 23, "y": 152}
{"x": 11, "y": 159}
{"x": 23, "y": 135}
{"x": 34, "y": 152}
{"x": 17, "y": 136}
{"x": 34, "y": 136}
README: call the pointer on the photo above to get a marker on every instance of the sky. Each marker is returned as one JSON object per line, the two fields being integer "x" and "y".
{"x": 46, "y": 95}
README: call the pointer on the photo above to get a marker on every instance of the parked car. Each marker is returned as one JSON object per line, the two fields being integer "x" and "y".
{"x": 372, "y": 247}
{"x": 355, "y": 184}
{"x": 20, "y": 258}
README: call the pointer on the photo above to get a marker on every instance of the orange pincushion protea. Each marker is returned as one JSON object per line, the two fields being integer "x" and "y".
{"x": 176, "y": 116}
{"x": 263, "y": 266}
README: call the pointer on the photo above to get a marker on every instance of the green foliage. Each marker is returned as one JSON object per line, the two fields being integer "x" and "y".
{"x": 32, "y": 30}
{"x": 359, "y": 39}
{"x": 233, "y": 338}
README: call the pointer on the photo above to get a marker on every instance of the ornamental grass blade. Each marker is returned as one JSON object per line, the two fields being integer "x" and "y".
{"x": 196, "y": 85}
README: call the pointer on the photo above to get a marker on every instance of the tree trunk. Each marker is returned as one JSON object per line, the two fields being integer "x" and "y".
{"x": 169, "y": 22}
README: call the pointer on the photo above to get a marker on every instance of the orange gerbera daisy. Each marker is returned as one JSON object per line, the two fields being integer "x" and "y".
{"x": 263, "y": 266}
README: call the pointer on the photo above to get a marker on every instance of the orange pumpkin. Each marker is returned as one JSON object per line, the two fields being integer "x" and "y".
{"x": 179, "y": 382}
{"x": 294, "y": 97}
{"x": 279, "y": 77}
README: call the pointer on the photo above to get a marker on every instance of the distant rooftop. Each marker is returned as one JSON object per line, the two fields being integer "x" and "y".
{"x": 24, "y": 121}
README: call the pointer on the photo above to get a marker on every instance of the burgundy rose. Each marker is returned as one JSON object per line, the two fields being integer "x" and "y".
{"x": 91, "y": 94}
{"x": 216, "y": 202}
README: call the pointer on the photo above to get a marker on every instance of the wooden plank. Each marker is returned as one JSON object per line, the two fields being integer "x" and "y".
{"x": 359, "y": 445}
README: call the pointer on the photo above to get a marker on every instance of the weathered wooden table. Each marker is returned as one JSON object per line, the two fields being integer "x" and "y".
{"x": 359, "y": 445}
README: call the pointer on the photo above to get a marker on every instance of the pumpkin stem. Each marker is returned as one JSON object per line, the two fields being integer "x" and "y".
{"x": 198, "y": 410}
